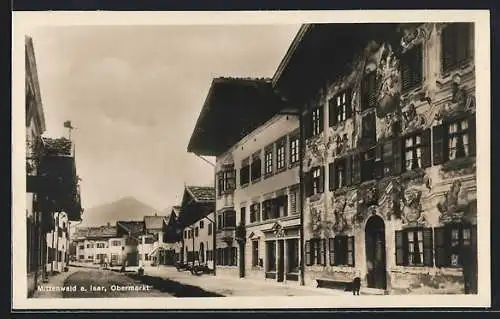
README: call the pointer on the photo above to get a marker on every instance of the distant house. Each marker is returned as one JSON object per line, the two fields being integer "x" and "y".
{"x": 151, "y": 239}
{"x": 130, "y": 233}
{"x": 93, "y": 244}
{"x": 196, "y": 220}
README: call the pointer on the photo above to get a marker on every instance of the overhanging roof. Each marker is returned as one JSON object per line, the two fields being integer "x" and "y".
{"x": 320, "y": 51}
{"x": 233, "y": 108}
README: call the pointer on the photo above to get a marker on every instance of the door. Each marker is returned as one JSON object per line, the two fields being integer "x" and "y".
{"x": 242, "y": 259}
{"x": 375, "y": 253}
{"x": 281, "y": 260}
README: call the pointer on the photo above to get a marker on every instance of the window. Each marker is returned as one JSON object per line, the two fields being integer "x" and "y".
{"x": 220, "y": 221}
{"x": 452, "y": 241}
{"x": 456, "y": 46}
{"x": 227, "y": 256}
{"x": 417, "y": 151}
{"x": 100, "y": 245}
{"x": 256, "y": 169}
{"x": 369, "y": 91}
{"x": 80, "y": 257}
{"x": 245, "y": 172}
{"x": 255, "y": 213}
{"x": 88, "y": 245}
{"x": 255, "y": 253}
{"x": 210, "y": 228}
{"x": 341, "y": 251}
{"x": 317, "y": 120}
{"x": 414, "y": 247}
{"x": 340, "y": 108}
{"x": 412, "y": 68}
{"x": 454, "y": 140}
{"x": 294, "y": 149}
{"x": 196, "y": 232}
{"x": 243, "y": 215}
{"x": 202, "y": 224}
{"x": 81, "y": 247}
{"x": 280, "y": 154}
{"x": 315, "y": 181}
{"x": 293, "y": 200}
{"x": 271, "y": 255}
{"x": 226, "y": 180}
{"x": 202, "y": 252}
{"x": 368, "y": 130}
{"x": 268, "y": 158}
{"x": 340, "y": 173}
{"x": 146, "y": 257}
{"x": 185, "y": 234}
{"x": 293, "y": 255}
{"x": 315, "y": 250}
{"x": 229, "y": 218}
{"x": 116, "y": 243}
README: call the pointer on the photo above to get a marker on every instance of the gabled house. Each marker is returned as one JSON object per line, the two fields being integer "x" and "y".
{"x": 196, "y": 219}
{"x": 389, "y": 159}
{"x": 93, "y": 244}
{"x": 130, "y": 233}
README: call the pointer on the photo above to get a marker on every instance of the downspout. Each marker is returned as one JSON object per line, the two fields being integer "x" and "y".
{"x": 301, "y": 192}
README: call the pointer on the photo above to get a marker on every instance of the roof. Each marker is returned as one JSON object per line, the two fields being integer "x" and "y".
{"x": 321, "y": 50}
{"x": 133, "y": 227}
{"x": 154, "y": 222}
{"x": 201, "y": 193}
{"x": 176, "y": 210}
{"x": 32, "y": 73}
{"x": 248, "y": 102}
{"x": 101, "y": 232}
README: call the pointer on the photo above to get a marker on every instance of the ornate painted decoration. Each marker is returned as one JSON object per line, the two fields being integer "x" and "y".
{"x": 389, "y": 82}
{"x": 461, "y": 101}
{"x": 340, "y": 220}
{"x": 315, "y": 220}
{"x": 414, "y": 36}
{"x": 412, "y": 120}
{"x": 456, "y": 206}
{"x": 315, "y": 153}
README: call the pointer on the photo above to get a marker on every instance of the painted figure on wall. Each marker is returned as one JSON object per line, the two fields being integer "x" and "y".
{"x": 389, "y": 82}
{"x": 340, "y": 219}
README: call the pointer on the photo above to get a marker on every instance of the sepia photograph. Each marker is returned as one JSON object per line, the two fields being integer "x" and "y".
{"x": 321, "y": 160}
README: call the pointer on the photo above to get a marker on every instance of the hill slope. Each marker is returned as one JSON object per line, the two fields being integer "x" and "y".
{"x": 127, "y": 208}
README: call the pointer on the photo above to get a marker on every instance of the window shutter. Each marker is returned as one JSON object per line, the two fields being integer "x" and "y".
{"x": 350, "y": 245}
{"x": 308, "y": 183}
{"x": 332, "y": 111}
{"x": 397, "y": 155}
{"x": 308, "y": 125}
{"x": 308, "y": 252}
{"x": 331, "y": 176}
{"x": 321, "y": 118}
{"x": 331, "y": 247}
{"x": 405, "y": 72}
{"x": 356, "y": 169}
{"x": 428, "y": 251}
{"x": 426, "y": 148}
{"x": 462, "y": 44}
{"x": 348, "y": 94}
{"x": 321, "y": 179}
{"x": 347, "y": 170}
{"x": 322, "y": 256}
{"x": 440, "y": 247}
{"x": 438, "y": 144}
{"x": 379, "y": 161}
{"x": 399, "y": 248}
{"x": 472, "y": 135}
{"x": 448, "y": 38}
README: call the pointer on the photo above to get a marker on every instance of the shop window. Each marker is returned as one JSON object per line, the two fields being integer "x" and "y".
{"x": 293, "y": 255}
{"x": 454, "y": 140}
{"x": 271, "y": 255}
{"x": 414, "y": 247}
{"x": 341, "y": 251}
{"x": 456, "y": 46}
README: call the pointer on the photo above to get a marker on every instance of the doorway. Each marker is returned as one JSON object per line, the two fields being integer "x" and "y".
{"x": 281, "y": 260}
{"x": 375, "y": 253}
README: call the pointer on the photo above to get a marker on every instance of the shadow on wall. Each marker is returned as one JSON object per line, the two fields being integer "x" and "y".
{"x": 174, "y": 288}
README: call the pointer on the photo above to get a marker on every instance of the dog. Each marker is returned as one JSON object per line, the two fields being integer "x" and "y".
{"x": 356, "y": 285}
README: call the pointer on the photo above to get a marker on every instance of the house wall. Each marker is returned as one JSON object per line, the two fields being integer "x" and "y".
{"x": 346, "y": 211}
{"x": 194, "y": 243}
{"x": 267, "y": 187}
{"x": 61, "y": 243}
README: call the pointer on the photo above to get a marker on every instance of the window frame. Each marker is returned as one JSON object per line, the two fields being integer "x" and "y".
{"x": 316, "y": 117}
{"x": 281, "y": 154}
{"x": 268, "y": 161}
{"x": 458, "y": 42}
{"x": 294, "y": 148}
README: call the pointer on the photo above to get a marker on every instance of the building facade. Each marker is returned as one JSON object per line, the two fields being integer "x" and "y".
{"x": 35, "y": 127}
{"x": 58, "y": 244}
{"x": 198, "y": 226}
{"x": 389, "y": 155}
{"x": 93, "y": 245}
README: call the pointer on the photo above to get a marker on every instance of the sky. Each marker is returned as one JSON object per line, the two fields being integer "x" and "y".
{"x": 134, "y": 93}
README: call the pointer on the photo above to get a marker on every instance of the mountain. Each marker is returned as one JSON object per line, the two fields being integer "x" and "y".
{"x": 127, "y": 208}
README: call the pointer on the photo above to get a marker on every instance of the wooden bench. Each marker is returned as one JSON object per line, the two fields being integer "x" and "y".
{"x": 344, "y": 284}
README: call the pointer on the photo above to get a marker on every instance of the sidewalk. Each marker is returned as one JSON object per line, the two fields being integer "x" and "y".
{"x": 231, "y": 286}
